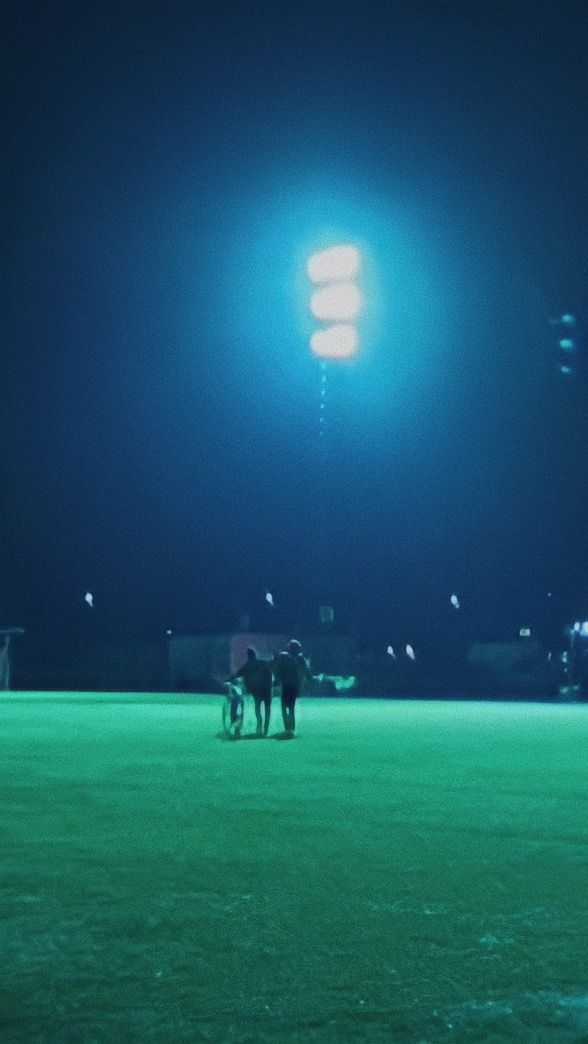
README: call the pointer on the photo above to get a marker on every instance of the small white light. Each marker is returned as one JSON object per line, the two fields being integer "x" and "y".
{"x": 89, "y": 598}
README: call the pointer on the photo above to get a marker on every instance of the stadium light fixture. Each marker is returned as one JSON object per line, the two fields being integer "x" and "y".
{"x": 340, "y": 301}
{"x": 336, "y": 301}
{"x": 336, "y": 264}
{"x": 335, "y": 342}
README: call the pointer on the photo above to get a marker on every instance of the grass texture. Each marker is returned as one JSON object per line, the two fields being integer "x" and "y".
{"x": 402, "y": 871}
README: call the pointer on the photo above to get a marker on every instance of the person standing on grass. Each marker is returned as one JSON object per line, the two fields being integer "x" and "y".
{"x": 290, "y": 668}
{"x": 257, "y": 677}
{"x": 233, "y": 710}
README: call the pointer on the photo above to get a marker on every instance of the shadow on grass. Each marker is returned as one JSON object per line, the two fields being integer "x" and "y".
{"x": 226, "y": 737}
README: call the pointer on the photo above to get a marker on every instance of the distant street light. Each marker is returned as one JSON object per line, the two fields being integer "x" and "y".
{"x": 566, "y": 345}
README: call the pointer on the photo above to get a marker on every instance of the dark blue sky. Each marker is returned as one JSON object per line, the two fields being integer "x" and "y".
{"x": 167, "y": 166}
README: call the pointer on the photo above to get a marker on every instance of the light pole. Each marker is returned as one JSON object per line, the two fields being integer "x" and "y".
{"x": 336, "y": 304}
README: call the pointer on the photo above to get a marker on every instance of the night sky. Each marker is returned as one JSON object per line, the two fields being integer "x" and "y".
{"x": 167, "y": 169}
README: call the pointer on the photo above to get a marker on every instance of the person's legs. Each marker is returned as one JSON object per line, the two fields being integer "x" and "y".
{"x": 288, "y": 701}
{"x": 257, "y": 701}
{"x": 285, "y": 716}
{"x": 237, "y": 714}
{"x": 267, "y": 709}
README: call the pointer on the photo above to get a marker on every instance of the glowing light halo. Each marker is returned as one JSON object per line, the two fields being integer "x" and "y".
{"x": 334, "y": 265}
{"x": 338, "y": 341}
{"x": 337, "y": 302}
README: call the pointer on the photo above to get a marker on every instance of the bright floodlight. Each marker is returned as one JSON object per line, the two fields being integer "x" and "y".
{"x": 335, "y": 265}
{"x": 336, "y": 342}
{"x": 339, "y": 302}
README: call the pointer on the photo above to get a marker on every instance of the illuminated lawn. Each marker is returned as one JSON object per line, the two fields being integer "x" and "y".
{"x": 400, "y": 872}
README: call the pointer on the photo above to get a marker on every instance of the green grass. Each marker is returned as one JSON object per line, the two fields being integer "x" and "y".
{"x": 401, "y": 872}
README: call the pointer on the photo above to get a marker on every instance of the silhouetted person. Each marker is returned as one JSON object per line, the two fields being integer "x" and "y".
{"x": 257, "y": 677}
{"x": 290, "y": 669}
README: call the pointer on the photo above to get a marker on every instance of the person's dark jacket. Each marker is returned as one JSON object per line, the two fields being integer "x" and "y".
{"x": 291, "y": 670}
{"x": 257, "y": 676}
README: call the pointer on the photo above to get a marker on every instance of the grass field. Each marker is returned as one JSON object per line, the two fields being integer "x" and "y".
{"x": 401, "y": 872}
